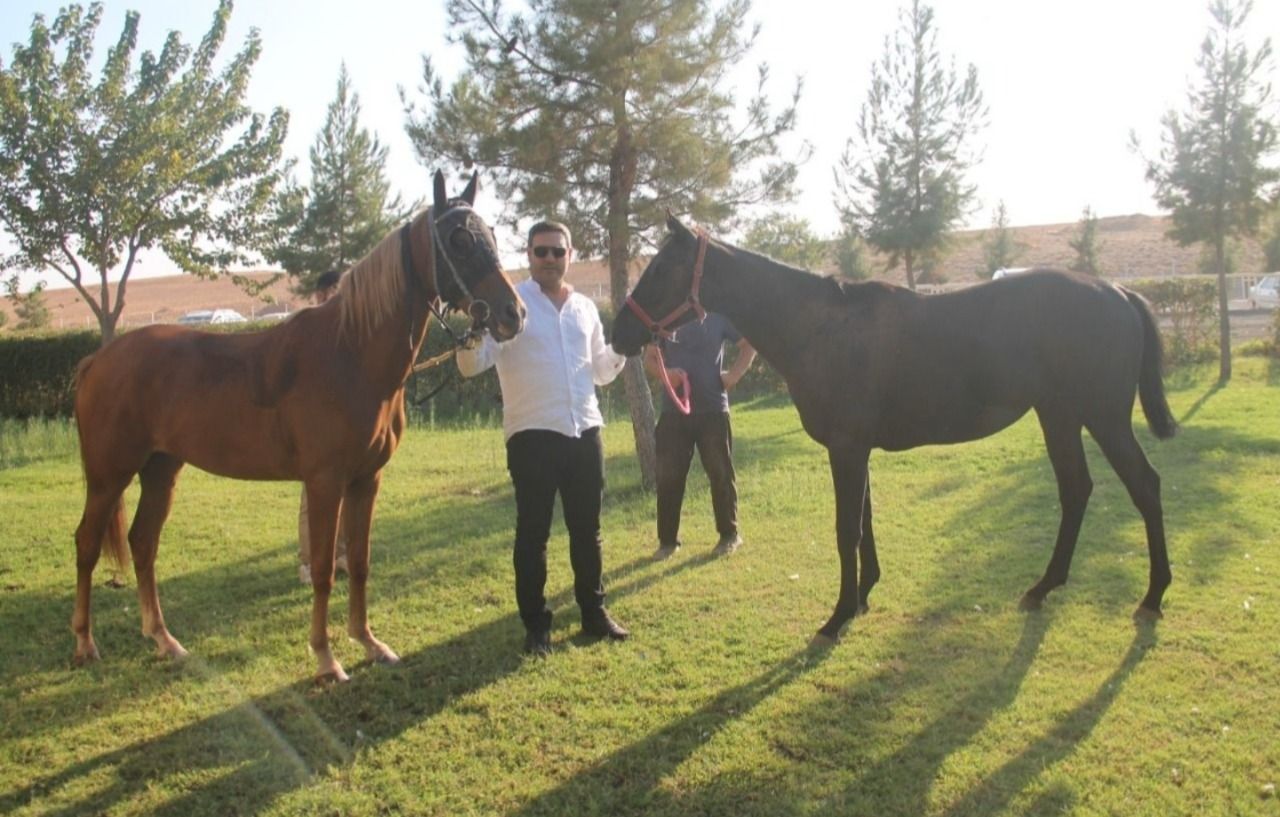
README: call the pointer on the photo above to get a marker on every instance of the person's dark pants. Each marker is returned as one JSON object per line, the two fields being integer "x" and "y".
{"x": 677, "y": 435}
{"x": 542, "y": 464}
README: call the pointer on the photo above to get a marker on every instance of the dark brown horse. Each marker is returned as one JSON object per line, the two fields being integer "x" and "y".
{"x": 877, "y": 366}
{"x": 318, "y": 398}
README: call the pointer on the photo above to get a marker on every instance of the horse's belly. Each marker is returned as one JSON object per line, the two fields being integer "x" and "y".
{"x": 245, "y": 449}
{"x": 945, "y": 425}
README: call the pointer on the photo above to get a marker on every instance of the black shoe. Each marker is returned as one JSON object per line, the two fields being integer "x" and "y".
{"x": 538, "y": 643}
{"x": 600, "y": 624}
{"x": 727, "y": 545}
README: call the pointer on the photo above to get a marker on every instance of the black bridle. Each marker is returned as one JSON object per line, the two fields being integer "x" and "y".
{"x": 478, "y": 311}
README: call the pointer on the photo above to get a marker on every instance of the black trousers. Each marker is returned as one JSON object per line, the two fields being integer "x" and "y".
{"x": 677, "y": 435}
{"x": 542, "y": 464}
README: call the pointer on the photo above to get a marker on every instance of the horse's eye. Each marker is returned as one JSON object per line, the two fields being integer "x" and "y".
{"x": 461, "y": 241}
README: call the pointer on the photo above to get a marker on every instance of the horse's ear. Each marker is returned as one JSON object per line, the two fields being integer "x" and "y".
{"x": 674, "y": 225}
{"x": 441, "y": 198}
{"x": 469, "y": 195}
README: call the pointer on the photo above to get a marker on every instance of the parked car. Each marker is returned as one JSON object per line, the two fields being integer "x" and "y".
{"x": 1266, "y": 292}
{"x": 200, "y": 316}
{"x": 1004, "y": 272}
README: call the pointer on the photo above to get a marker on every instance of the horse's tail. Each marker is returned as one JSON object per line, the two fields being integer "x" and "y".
{"x": 1150, "y": 380}
{"x": 114, "y": 539}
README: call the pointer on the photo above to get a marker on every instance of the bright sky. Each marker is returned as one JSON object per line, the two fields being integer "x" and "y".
{"x": 1065, "y": 82}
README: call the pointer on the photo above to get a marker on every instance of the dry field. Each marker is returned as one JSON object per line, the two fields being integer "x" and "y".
{"x": 1130, "y": 246}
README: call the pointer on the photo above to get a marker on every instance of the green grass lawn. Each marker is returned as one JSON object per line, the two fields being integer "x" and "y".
{"x": 945, "y": 700}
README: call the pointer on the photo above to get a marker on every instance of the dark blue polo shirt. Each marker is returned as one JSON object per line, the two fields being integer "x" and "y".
{"x": 698, "y": 348}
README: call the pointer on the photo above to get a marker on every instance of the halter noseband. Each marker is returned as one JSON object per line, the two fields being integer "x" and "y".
{"x": 659, "y": 329}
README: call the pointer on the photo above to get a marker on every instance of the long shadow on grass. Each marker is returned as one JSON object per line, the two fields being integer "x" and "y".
{"x": 259, "y": 749}
{"x": 627, "y": 781}
{"x": 225, "y": 610}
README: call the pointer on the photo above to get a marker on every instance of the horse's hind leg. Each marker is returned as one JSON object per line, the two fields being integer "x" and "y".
{"x": 869, "y": 569}
{"x": 102, "y": 520}
{"x": 1066, "y": 453}
{"x": 157, "y": 478}
{"x": 1143, "y": 483}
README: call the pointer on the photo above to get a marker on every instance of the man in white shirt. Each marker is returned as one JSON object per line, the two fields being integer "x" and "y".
{"x": 551, "y": 419}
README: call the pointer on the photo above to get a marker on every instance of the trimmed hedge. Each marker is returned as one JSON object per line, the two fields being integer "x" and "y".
{"x": 37, "y": 372}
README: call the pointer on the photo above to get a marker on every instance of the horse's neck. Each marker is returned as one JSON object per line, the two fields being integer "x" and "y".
{"x": 770, "y": 304}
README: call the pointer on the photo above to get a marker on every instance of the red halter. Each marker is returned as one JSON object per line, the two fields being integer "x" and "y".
{"x": 659, "y": 328}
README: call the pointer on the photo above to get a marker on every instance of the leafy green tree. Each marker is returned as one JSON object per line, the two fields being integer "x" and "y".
{"x": 1212, "y": 172}
{"x": 999, "y": 248}
{"x": 348, "y": 208}
{"x": 1085, "y": 243}
{"x": 30, "y": 308}
{"x": 604, "y": 115}
{"x": 788, "y": 239}
{"x": 1271, "y": 240}
{"x": 94, "y": 171}
{"x": 903, "y": 180}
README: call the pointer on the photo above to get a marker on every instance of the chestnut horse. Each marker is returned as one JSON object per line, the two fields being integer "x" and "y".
{"x": 871, "y": 365}
{"x": 318, "y": 398}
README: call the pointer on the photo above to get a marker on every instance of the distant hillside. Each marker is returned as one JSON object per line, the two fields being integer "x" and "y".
{"x": 1130, "y": 247}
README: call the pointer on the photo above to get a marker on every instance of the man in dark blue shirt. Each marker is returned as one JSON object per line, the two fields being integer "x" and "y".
{"x": 694, "y": 357}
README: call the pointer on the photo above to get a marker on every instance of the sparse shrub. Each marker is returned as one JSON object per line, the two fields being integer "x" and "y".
{"x": 1191, "y": 304}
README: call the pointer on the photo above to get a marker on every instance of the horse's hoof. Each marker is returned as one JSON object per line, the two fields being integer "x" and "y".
{"x": 84, "y": 659}
{"x": 172, "y": 650}
{"x": 386, "y": 659}
{"x": 822, "y": 641}
{"x": 1030, "y": 603}
{"x": 334, "y": 676}
{"x": 1145, "y": 615}
{"x": 863, "y": 609}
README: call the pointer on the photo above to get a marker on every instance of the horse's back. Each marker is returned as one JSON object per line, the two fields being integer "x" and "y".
{"x": 962, "y": 365}
{"x": 196, "y": 395}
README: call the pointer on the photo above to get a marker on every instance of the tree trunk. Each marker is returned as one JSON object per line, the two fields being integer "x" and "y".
{"x": 909, "y": 262}
{"x": 1224, "y": 317}
{"x": 622, "y": 173}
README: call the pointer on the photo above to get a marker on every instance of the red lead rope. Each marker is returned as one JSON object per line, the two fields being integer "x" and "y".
{"x": 659, "y": 328}
{"x": 681, "y": 402}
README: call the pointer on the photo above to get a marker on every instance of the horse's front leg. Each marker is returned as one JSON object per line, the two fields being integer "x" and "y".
{"x": 324, "y": 503}
{"x": 358, "y": 510}
{"x": 849, "y": 476}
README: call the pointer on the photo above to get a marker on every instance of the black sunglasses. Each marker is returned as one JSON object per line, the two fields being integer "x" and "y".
{"x": 542, "y": 252}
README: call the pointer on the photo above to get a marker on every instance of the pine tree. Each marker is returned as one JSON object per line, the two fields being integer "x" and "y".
{"x": 347, "y": 209}
{"x": 1212, "y": 171}
{"x": 999, "y": 248}
{"x": 851, "y": 254}
{"x": 788, "y": 239}
{"x": 1085, "y": 244}
{"x": 605, "y": 115}
{"x": 903, "y": 182}
{"x": 162, "y": 155}
{"x": 30, "y": 308}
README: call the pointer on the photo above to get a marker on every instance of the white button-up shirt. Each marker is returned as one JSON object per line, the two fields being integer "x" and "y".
{"x": 549, "y": 372}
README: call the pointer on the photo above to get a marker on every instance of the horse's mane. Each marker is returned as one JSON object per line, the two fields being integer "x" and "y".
{"x": 372, "y": 290}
